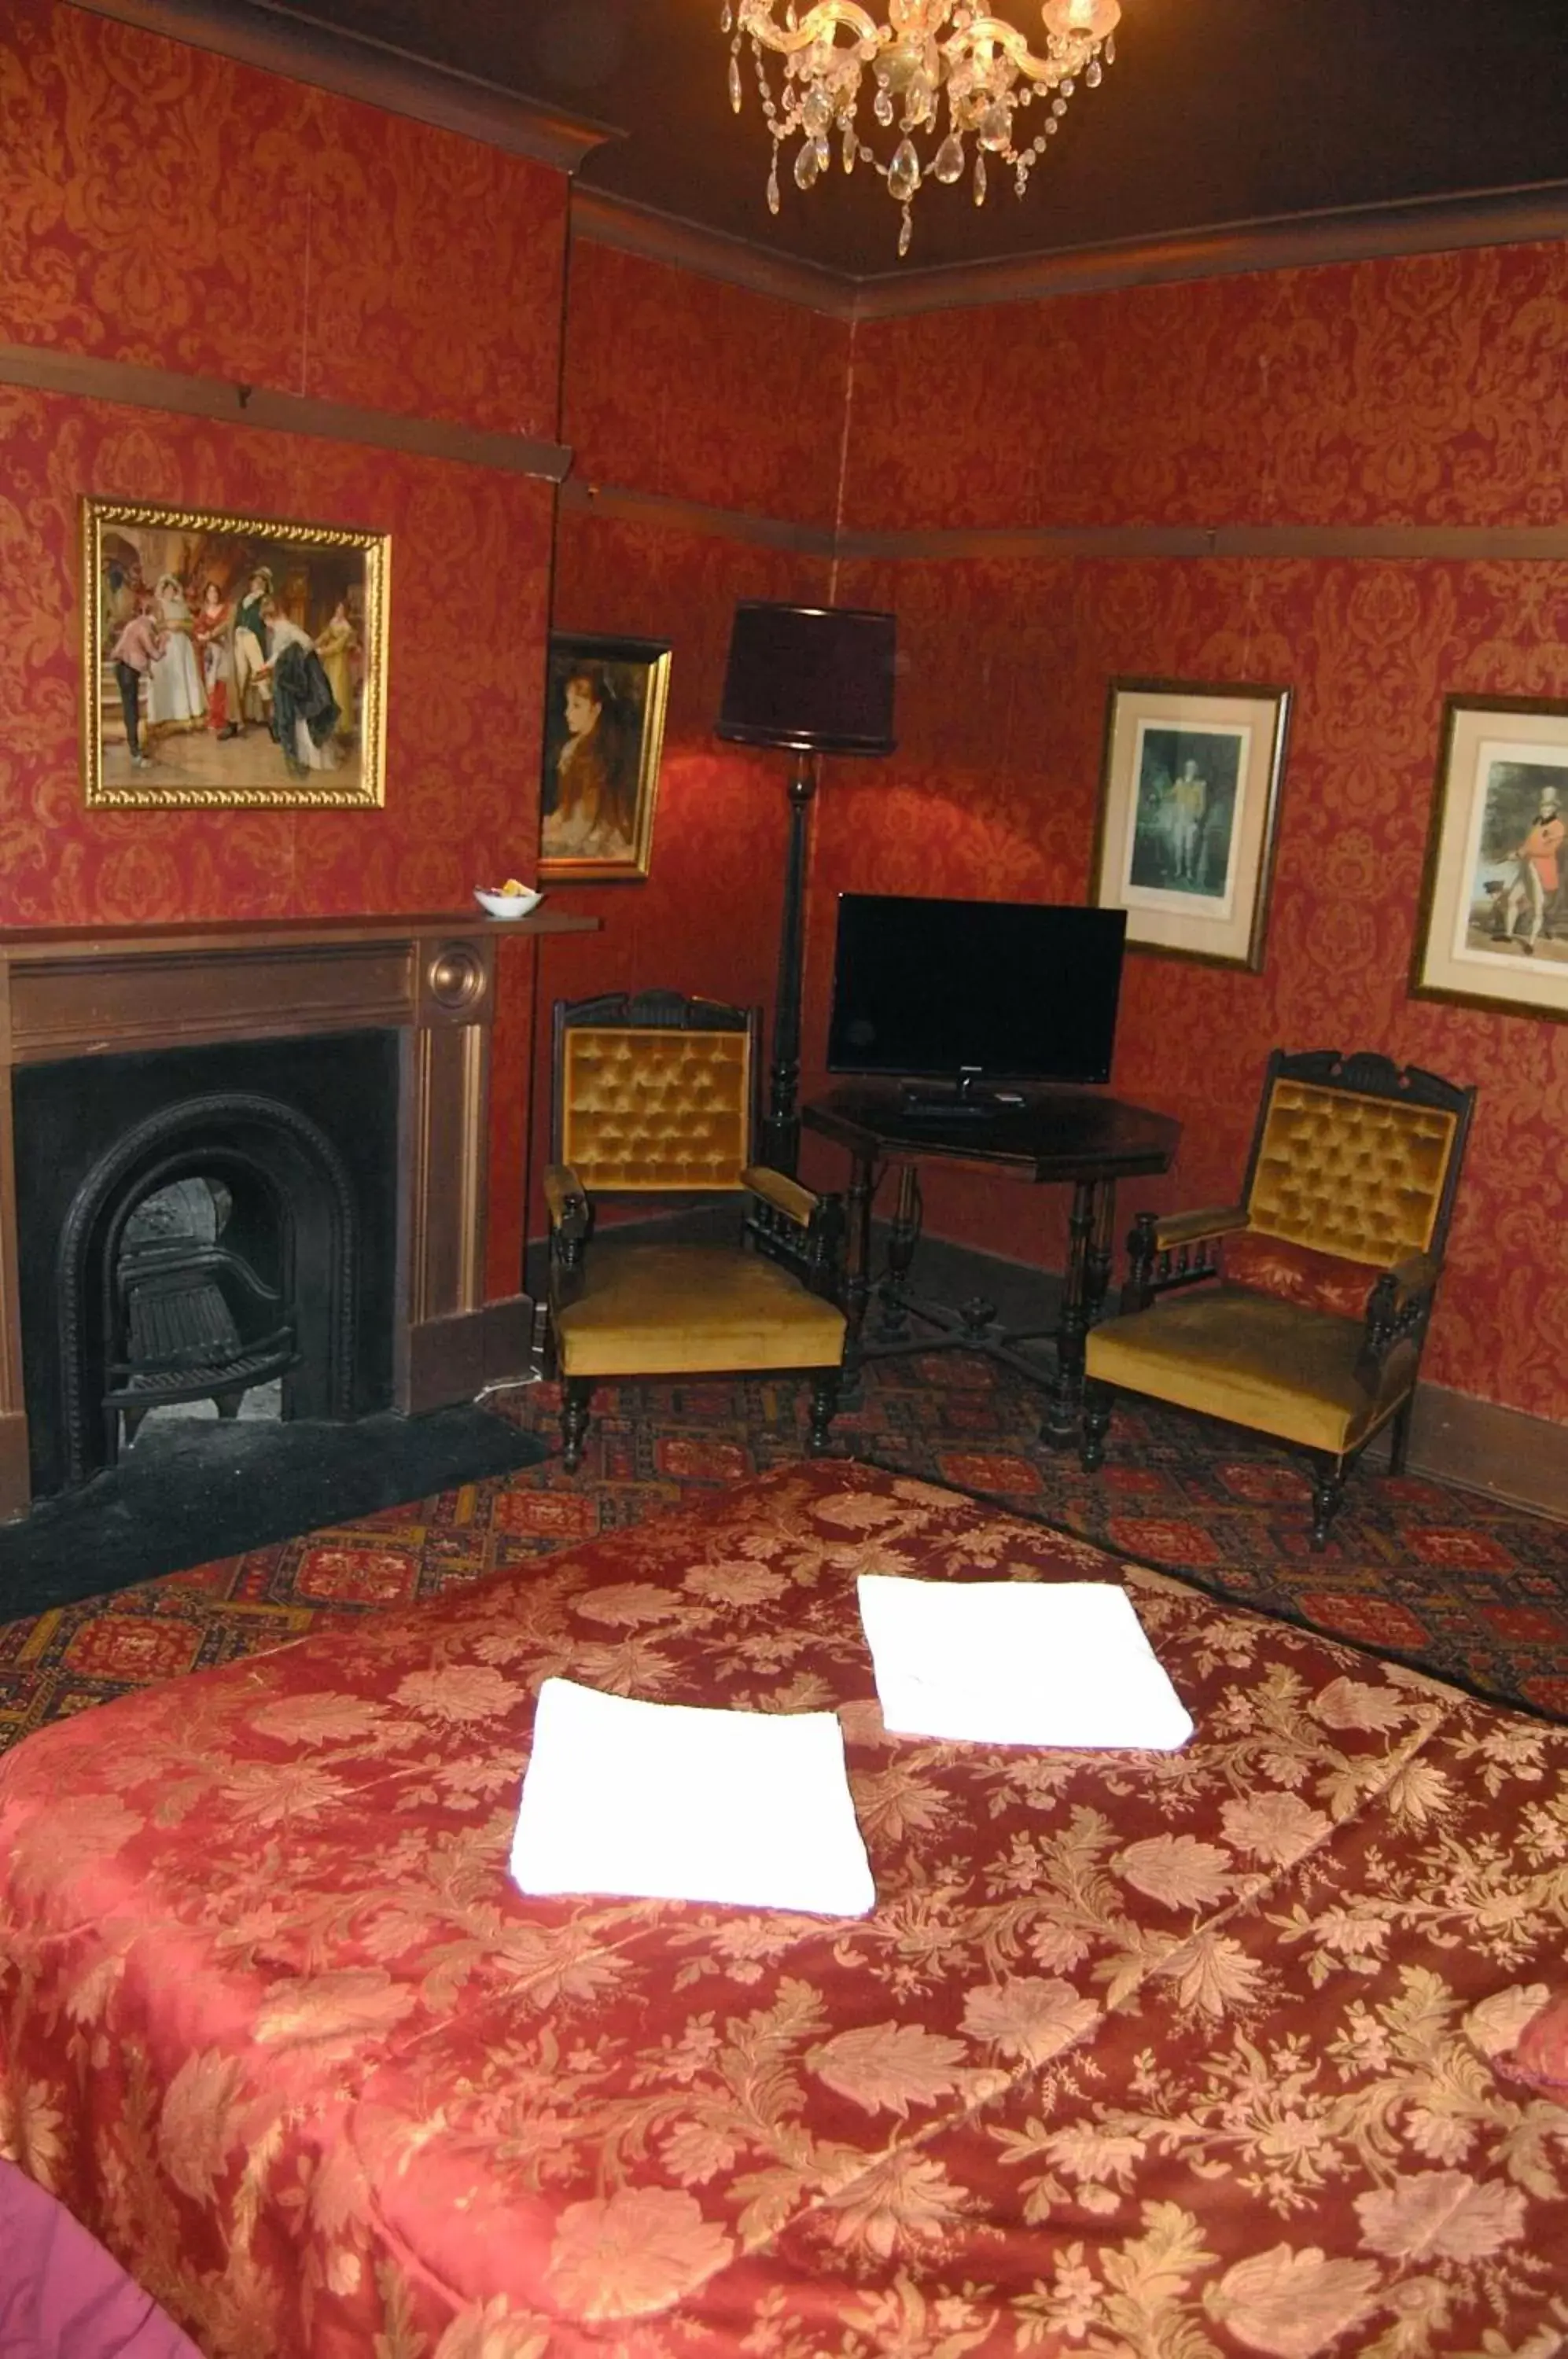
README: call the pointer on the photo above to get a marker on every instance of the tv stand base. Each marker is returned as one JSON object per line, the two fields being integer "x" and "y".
{"x": 1083, "y": 1141}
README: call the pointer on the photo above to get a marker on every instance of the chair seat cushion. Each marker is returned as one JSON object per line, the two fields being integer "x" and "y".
{"x": 1235, "y": 1354}
{"x": 649, "y": 1310}
{"x": 1299, "y": 1273}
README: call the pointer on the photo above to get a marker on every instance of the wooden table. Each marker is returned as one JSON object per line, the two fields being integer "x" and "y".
{"x": 1054, "y": 1136}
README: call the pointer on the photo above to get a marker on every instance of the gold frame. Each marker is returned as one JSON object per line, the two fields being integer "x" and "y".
{"x": 617, "y": 659}
{"x": 1480, "y": 811}
{"x": 1217, "y": 920}
{"x": 245, "y": 770}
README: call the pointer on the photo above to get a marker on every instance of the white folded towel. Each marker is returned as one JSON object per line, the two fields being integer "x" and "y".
{"x": 1018, "y": 1662}
{"x": 666, "y": 1802}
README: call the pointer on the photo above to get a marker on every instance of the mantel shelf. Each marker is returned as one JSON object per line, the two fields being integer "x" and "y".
{"x": 40, "y": 945}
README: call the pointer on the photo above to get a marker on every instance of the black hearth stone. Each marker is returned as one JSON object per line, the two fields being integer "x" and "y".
{"x": 220, "y": 1489}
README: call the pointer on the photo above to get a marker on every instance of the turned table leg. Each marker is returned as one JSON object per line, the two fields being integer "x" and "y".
{"x": 1089, "y": 1231}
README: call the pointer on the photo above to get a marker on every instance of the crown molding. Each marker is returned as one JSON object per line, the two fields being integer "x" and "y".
{"x": 1368, "y": 233}
{"x": 289, "y": 42}
{"x": 653, "y": 236}
{"x": 1520, "y": 216}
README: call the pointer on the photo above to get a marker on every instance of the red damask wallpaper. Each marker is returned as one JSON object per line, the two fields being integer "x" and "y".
{"x": 702, "y": 391}
{"x": 163, "y": 206}
{"x": 1428, "y": 390}
{"x": 1423, "y": 389}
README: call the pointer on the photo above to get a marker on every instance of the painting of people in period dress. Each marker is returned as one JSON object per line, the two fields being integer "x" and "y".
{"x": 1189, "y": 797}
{"x": 1517, "y": 870}
{"x": 1185, "y": 836}
{"x": 603, "y": 734}
{"x": 231, "y": 659}
{"x": 1493, "y": 918}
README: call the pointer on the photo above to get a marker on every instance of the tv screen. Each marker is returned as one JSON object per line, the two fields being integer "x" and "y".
{"x": 967, "y": 991}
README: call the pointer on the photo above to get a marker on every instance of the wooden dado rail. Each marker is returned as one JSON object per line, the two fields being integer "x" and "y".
{"x": 111, "y": 990}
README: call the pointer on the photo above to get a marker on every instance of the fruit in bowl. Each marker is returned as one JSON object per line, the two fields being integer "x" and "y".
{"x": 512, "y": 899}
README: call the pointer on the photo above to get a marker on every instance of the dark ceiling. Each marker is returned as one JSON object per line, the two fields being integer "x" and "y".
{"x": 1217, "y": 112}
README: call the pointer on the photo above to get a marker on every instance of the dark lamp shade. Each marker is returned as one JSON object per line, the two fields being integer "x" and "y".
{"x": 819, "y": 678}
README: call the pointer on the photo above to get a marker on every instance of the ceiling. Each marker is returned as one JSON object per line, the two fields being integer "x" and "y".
{"x": 1216, "y": 114}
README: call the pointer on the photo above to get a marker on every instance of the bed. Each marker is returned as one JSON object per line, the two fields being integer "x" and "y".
{"x": 1192, "y": 2054}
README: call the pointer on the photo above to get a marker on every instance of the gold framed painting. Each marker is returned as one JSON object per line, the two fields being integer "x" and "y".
{"x": 1493, "y": 925}
{"x": 231, "y": 659}
{"x": 1189, "y": 806}
{"x": 603, "y": 736}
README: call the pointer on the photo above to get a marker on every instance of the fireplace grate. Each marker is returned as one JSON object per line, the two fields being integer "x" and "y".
{"x": 195, "y": 1321}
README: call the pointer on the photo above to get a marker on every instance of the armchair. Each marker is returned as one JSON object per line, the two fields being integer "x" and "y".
{"x": 655, "y": 1100}
{"x": 1301, "y": 1311}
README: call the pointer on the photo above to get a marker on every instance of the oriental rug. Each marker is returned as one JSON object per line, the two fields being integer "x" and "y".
{"x": 1467, "y": 1588}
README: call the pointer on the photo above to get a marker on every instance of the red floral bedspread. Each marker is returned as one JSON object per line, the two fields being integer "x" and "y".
{"x": 1191, "y": 2055}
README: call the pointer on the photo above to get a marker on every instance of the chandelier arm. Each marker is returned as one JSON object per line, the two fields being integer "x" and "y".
{"x": 994, "y": 31}
{"x": 828, "y": 16}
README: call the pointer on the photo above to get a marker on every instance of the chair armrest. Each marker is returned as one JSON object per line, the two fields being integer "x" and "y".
{"x": 793, "y": 1226}
{"x": 1169, "y": 1250}
{"x": 1173, "y": 1229}
{"x": 564, "y": 1191}
{"x": 570, "y": 1215}
{"x": 1415, "y": 1275}
{"x": 785, "y": 1195}
{"x": 1397, "y": 1309}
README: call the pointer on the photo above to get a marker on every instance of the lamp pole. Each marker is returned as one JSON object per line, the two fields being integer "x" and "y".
{"x": 781, "y": 1125}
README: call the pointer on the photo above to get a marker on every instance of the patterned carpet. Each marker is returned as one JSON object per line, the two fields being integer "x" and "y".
{"x": 1472, "y": 1591}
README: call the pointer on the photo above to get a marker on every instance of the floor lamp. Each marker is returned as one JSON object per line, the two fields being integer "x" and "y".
{"x": 812, "y": 680}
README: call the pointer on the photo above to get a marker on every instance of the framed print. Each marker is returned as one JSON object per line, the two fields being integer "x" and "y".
{"x": 1493, "y": 927}
{"x": 231, "y": 659}
{"x": 1189, "y": 798}
{"x": 604, "y": 734}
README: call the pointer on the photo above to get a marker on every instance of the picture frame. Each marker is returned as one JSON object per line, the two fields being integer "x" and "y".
{"x": 604, "y": 737}
{"x": 231, "y": 660}
{"x": 1492, "y": 923}
{"x": 1189, "y": 806}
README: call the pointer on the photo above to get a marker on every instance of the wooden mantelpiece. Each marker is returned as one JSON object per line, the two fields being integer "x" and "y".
{"x": 102, "y": 991}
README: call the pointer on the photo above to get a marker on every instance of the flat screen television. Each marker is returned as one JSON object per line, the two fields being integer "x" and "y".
{"x": 966, "y": 994}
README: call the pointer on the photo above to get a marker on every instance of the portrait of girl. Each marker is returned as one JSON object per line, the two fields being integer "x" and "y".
{"x": 603, "y": 732}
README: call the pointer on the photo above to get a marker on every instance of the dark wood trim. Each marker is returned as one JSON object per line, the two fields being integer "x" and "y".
{"x": 166, "y": 389}
{"x": 1465, "y": 544}
{"x": 289, "y": 42}
{"x": 604, "y": 219}
{"x": 280, "y": 413}
{"x": 455, "y": 1358}
{"x": 690, "y": 516}
{"x": 1371, "y": 233}
{"x": 509, "y": 1340}
{"x": 1481, "y": 1447}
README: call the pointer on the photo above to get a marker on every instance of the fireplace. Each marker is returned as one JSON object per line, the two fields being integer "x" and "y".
{"x": 245, "y": 1164}
{"x": 195, "y": 1223}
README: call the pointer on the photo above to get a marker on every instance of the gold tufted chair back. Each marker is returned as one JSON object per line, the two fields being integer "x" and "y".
{"x": 642, "y": 1108}
{"x": 1365, "y": 1177}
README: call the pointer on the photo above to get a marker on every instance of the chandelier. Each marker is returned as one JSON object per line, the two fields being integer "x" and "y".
{"x": 1000, "y": 97}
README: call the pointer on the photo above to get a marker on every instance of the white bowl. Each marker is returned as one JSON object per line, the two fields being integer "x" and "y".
{"x": 507, "y": 905}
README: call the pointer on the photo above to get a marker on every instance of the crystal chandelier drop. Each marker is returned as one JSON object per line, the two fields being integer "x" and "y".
{"x": 1002, "y": 98}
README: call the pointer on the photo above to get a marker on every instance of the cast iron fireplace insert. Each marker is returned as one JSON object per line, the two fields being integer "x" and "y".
{"x": 197, "y": 1221}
